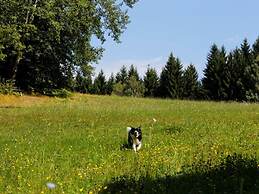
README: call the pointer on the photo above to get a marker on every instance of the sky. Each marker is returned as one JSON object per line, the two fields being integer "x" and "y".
{"x": 187, "y": 28}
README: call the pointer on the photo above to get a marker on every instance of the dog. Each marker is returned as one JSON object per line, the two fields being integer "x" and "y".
{"x": 134, "y": 138}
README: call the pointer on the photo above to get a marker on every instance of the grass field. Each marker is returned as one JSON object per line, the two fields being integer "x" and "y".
{"x": 78, "y": 144}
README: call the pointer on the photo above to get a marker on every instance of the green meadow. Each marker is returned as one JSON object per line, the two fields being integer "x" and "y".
{"x": 80, "y": 145}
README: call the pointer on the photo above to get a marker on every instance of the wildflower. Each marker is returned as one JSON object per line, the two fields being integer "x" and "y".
{"x": 154, "y": 120}
{"x": 51, "y": 185}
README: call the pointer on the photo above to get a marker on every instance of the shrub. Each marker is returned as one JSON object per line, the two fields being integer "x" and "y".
{"x": 8, "y": 88}
{"x": 60, "y": 93}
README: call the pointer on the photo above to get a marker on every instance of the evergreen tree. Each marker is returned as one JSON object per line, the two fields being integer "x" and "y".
{"x": 249, "y": 70}
{"x": 171, "y": 79}
{"x": 99, "y": 86}
{"x": 190, "y": 83}
{"x": 213, "y": 73}
{"x": 122, "y": 75}
{"x": 110, "y": 84}
{"x": 83, "y": 82}
{"x": 151, "y": 82}
{"x": 255, "y": 50}
{"x": 237, "y": 89}
{"x": 134, "y": 86}
{"x": 133, "y": 72}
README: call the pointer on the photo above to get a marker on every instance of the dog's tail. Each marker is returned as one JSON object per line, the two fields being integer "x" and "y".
{"x": 128, "y": 129}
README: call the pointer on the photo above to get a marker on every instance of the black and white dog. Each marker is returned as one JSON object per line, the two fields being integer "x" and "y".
{"x": 134, "y": 137}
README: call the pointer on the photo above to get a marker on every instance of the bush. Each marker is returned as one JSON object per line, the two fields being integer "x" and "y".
{"x": 60, "y": 93}
{"x": 8, "y": 88}
{"x": 252, "y": 97}
{"x": 118, "y": 89}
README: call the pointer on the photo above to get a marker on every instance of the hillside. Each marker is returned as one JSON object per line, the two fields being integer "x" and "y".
{"x": 78, "y": 144}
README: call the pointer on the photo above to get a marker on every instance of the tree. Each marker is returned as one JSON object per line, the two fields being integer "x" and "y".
{"x": 99, "y": 86}
{"x": 151, "y": 82}
{"x": 236, "y": 88}
{"x": 41, "y": 42}
{"x": 134, "y": 87}
{"x": 249, "y": 76}
{"x": 110, "y": 84}
{"x": 122, "y": 75}
{"x": 190, "y": 83}
{"x": 171, "y": 79}
{"x": 133, "y": 72}
{"x": 83, "y": 82}
{"x": 251, "y": 71}
{"x": 213, "y": 73}
{"x": 255, "y": 49}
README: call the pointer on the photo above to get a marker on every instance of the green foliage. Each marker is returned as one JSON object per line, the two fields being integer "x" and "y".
{"x": 122, "y": 76}
{"x": 151, "y": 82}
{"x": 99, "y": 85}
{"x": 133, "y": 73}
{"x": 60, "y": 93}
{"x": 110, "y": 85}
{"x": 42, "y": 42}
{"x": 134, "y": 87}
{"x": 118, "y": 89}
{"x": 213, "y": 73}
{"x": 190, "y": 83}
{"x": 8, "y": 88}
{"x": 83, "y": 81}
{"x": 255, "y": 49}
{"x": 171, "y": 83}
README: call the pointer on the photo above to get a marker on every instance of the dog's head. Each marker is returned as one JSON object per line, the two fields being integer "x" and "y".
{"x": 135, "y": 132}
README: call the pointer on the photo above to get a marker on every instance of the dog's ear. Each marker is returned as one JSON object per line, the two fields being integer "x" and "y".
{"x": 139, "y": 127}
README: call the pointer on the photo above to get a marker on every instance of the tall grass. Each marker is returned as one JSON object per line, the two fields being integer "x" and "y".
{"x": 77, "y": 144}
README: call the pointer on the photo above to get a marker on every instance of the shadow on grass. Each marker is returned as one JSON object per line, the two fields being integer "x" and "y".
{"x": 235, "y": 174}
{"x": 125, "y": 146}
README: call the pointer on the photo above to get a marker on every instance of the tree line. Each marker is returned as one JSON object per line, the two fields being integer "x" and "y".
{"x": 227, "y": 76}
{"x": 47, "y": 45}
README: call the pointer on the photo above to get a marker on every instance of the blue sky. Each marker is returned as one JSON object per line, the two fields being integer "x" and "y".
{"x": 187, "y": 28}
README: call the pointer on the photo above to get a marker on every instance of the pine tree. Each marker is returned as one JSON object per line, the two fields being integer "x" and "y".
{"x": 255, "y": 50}
{"x": 122, "y": 75}
{"x": 249, "y": 70}
{"x": 134, "y": 86}
{"x": 99, "y": 86}
{"x": 236, "y": 84}
{"x": 190, "y": 83}
{"x": 133, "y": 72}
{"x": 151, "y": 82}
{"x": 171, "y": 79}
{"x": 83, "y": 81}
{"x": 83, "y": 84}
{"x": 110, "y": 84}
{"x": 213, "y": 73}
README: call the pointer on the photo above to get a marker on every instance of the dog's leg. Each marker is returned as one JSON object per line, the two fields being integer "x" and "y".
{"x": 134, "y": 147}
{"x": 138, "y": 147}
